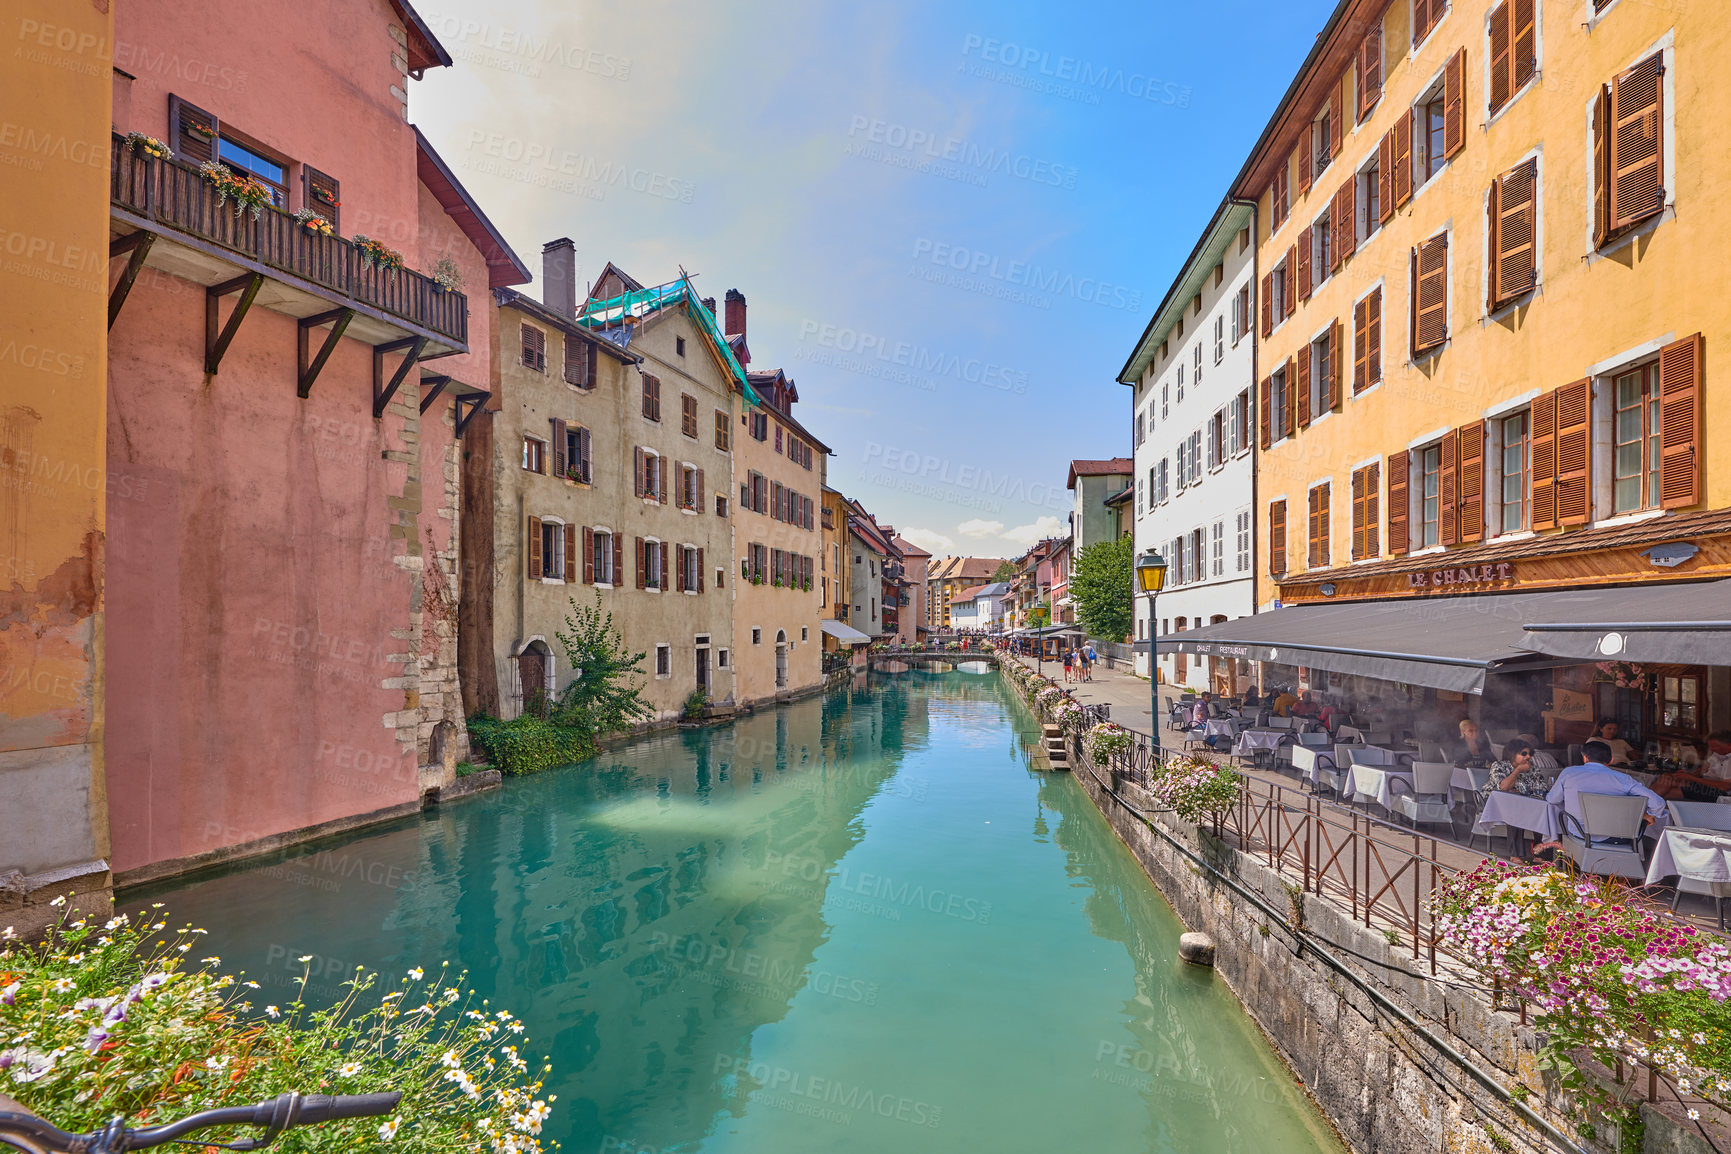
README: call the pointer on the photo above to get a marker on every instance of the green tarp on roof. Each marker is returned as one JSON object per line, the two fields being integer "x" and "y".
{"x": 641, "y": 303}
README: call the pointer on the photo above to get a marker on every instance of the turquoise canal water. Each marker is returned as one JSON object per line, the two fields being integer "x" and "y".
{"x": 857, "y": 923}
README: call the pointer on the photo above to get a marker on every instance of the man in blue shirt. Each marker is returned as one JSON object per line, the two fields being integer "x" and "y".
{"x": 1597, "y": 777}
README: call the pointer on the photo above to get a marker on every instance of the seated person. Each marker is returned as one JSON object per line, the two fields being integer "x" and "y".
{"x": 1622, "y": 753}
{"x": 1307, "y": 706}
{"x": 1475, "y": 748}
{"x": 1251, "y": 697}
{"x": 1596, "y": 776}
{"x": 1331, "y": 716}
{"x": 1714, "y": 775}
{"x": 1515, "y": 772}
{"x": 1282, "y": 705}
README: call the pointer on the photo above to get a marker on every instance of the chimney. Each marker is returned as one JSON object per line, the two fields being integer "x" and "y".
{"x": 735, "y": 326}
{"x": 709, "y": 303}
{"x": 559, "y": 276}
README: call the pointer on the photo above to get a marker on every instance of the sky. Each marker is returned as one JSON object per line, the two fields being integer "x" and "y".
{"x": 951, "y": 221}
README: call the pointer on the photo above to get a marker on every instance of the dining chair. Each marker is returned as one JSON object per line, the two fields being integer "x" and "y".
{"x": 1607, "y": 837}
{"x": 1700, "y": 815}
{"x": 1688, "y": 883}
{"x": 1427, "y": 799}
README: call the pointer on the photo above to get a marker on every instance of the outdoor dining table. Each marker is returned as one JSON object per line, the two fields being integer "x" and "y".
{"x": 1306, "y": 761}
{"x": 1468, "y": 780}
{"x": 1220, "y": 727}
{"x": 1252, "y": 740}
{"x": 1375, "y": 781}
{"x": 1534, "y": 814}
{"x": 1706, "y": 855}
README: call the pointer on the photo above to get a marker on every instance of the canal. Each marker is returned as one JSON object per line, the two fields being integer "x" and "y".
{"x": 855, "y": 923}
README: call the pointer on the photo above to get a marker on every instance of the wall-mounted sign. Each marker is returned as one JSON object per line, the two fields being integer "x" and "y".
{"x": 1456, "y": 576}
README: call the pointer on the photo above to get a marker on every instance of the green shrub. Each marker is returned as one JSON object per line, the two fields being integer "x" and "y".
{"x": 529, "y": 744}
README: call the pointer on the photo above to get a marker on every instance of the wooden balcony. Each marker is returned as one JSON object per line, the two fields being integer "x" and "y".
{"x": 165, "y": 214}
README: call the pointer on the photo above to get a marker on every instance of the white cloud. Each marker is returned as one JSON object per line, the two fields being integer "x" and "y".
{"x": 979, "y": 528}
{"x": 929, "y": 540}
{"x": 1025, "y": 535}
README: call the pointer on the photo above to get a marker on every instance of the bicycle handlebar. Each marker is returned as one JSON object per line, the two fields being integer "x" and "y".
{"x": 275, "y": 1114}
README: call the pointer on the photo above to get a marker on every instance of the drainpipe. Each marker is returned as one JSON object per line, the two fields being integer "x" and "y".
{"x": 1252, "y": 417}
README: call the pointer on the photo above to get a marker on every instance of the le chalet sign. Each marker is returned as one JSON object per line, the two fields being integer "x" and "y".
{"x": 1461, "y": 576}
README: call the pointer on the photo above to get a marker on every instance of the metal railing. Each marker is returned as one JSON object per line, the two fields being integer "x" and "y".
{"x": 175, "y": 195}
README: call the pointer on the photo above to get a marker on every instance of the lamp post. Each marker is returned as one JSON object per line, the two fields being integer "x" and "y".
{"x": 1151, "y": 578}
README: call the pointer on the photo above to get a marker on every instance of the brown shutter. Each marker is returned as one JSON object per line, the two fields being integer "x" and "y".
{"x": 1346, "y": 201}
{"x": 535, "y": 566}
{"x": 588, "y": 555}
{"x": 1286, "y": 418}
{"x": 1325, "y": 531}
{"x": 1502, "y": 35}
{"x": 1420, "y": 20}
{"x": 323, "y": 194}
{"x": 1637, "y": 152}
{"x": 642, "y": 583}
{"x": 1399, "y": 470}
{"x": 1574, "y": 452}
{"x": 585, "y": 454}
{"x": 1358, "y": 480}
{"x": 663, "y": 551}
{"x": 1525, "y": 53}
{"x": 1542, "y": 455}
{"x": 1290, "y": 301}
{"x": 1360, "y": 347}
{"x": 1372, "y": 522}
{"x": 1331, "y": 383}
{"x": 1448, "y": 506}
{"x": 700, "y": 568}
{"x": 1302, "y": 156}
{"x": 1472, "y": 481}
{"x": 637, "y": 472}
{"x": 1514, "y": 203}
{"x": 1263, "y": 400}
{"x": 1277, "y": 537}
{"x": 1385, "y": 177}
{"x": 559, "y": 462}
{"x": 570, "y": 554}
{"x": 1680, "y": 423}
{"x": 1336, "y": 118}
{"x": 1303, "y": 247}
{"x": 618, "y": 559}
{"x": 702, "y": 501}
{"x": 1310, "y": 530}
{"x": 1303, "y": 387}
{"x": 192, "y": 131}
{"x": 1267, "y": 304}
{"x": 1370, "y": 71}
{"x": 1430, "y": 294}
{"x": 661, "y": 480}
{"x": 1493, "y": 242}
{"x": 1603, "y": 207}
{"x": 1373, "y": 338}
{"x": 1403, "y": 159}
{"x": 1454, "y": 104}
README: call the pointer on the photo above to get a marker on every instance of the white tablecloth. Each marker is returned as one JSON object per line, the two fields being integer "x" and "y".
{"x": 1705, "y": 856}
{"x": 1522, "y": 812}
{"x": 1219, "y": 727}
{"x": 1375, "y": 782}
{"x": 1306, "y": 762}
{"x": 1252, "y": 740}
{"x": 1467, "y": 780}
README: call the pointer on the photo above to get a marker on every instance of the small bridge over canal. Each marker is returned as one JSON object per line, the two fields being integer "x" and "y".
{"x": 949, "y": 658}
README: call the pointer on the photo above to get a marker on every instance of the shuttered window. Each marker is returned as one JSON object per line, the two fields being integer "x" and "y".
{"x": 1542, "y": 462}
{"x": 1302, "y": 158}
{"x": 1470, "y": 499}
{"x": 580, "y": 362}
{"x": 192, "y": 131}
{"x": 722, "y": 431}
{"x": 1680, "y": 404}
{"x": 1288, "y": 284}
{"x": 688, "y": 415}
{"x": 1366, "y": 520}
{"x": 1448, "y": 509}
{"x": 1628, "y": 149}
{"x": 1385, "y": 177}
{"x": 323, "y": 194}
{"x": 1430, "y": 262}
{"x": 1426, "y": 14}
{"x": 1331, "y": 376}
{"x": 560, "y": 447}
{"x": 1263, "y": 417}
{"x": 1277, "y": 537}
{"x": 1303, "y": 387}
{"x": 1289, "y": 404}
{"x": 1513, "y": 215}
{"x": 1402, "y": 183}
{"x": 1304, "y": 254}
{"x": 1345, "y": 220}
{"x": 533, "y": 571}
{"x": 1267, "y": 304}
{"x": 1367, "y": 342}
{"x": 1319, "y": 528}
{"x": 1280, "y": 196}
{"x": 1399, "y": 510}
{"x": 1454, "y": 104}
{"x": 1513, "y": 50}
{"x": 652, "y": 396}
{"x": 1574, "y": 453}
{"x": 1369, "y": 68}
{"x": 534, "y": 349}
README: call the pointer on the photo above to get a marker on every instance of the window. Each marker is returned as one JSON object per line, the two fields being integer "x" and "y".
{"x": 805, "y": 633}
{"x": 1322, "y": 152}
{"x": 650, "y": 482}
{"x": 1366, "y": 518}
{"x": 1243, "y": 527}
{"x": 1321, "y": 251}
{"x": 198, "y": 136}
{"x": 1241, "y": 315}
{"x": 1196, "y": 363}
{"x": 1277, "y": 537}
{"x": 652, "y": 561}
{"x": 248, "y": 161}
{"x": 720, "y": 505}
{"x": 1513, "y": 255}
{"x": 1318, "y": 394}
{"x": 1277, "y": 415}
{"x": 759, "y": 425}
{"x": 688, "y": 415}
{"x": 1426, "y": 14}
{"x": 534, "y": 455}
{"x": 1367, "y": 71}
{"x": 1219, "y": 338}
{"x": 1280, "y": 290}
{"x": 664, "y": 661}
{"x": 1165, "y": 479}
{"x": 1136, "y": 433}
{"x": 1181, "y": 382}
{"x": 579, "y": 454}
{"x": 1369, "y": 199}
{"x": 1441, "y": 116}
{"x": 652, "y": 396}
{"x": 1513, "y": 51}
{"x": 1217, "y": 440}
{"x": 1628, "y": 149}
{"x": 601, "y": 558}
{"x": 679, "y": 346}
{"x": 690, "y": 569}
{"x": 721, "y": 431}
{"x": 756, "y": 636}
{"x": 552, "y": 550}
{"x": 1430, "y": 298}
{"x": 580, "y": 362}
{"x": 1279, "y": 197}
{"x": 1680, "y": 703}
{"x": 1636, "y": 442}
{"x": 534, "y": 349}
{"x": 690, "y": 488}
{"x": 1319, "y": 527}
{"x": 1367, "y": 342}
{"x": 778, "y": 438}
{"x": 721, "y": 659}
{"x": 1138, "y": 496}
{"x": 1220, "y": 548}
{"x": 1240, "y": 424}
{"x": 1183, "y": 464}
{"x": 1516, "y": 450}
{"x": 1165, "y": 397}
{"x": 1430, "y": 490}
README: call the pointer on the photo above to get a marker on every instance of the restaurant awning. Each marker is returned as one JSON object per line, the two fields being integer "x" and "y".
{"x": 1672, "y": 623}
{"x": 843, "y": 632}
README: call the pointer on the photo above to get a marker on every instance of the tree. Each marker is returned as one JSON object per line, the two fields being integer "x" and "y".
{"x": 1100, "y": 587}
{"x": 606, "y": 693}
{"x": 1006, "y": 571}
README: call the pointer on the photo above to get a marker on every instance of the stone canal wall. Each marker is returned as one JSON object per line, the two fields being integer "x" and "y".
{"x": 1311, "y": 977}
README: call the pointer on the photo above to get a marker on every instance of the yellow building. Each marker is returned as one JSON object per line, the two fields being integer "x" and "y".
{"x": 57, "y": 89}
{"x": 1483, "y": 232}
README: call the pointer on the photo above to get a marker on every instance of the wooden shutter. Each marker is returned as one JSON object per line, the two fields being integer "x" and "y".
{"x": 1403, "y": 159}
{"x": 1542, "y": 460}
{"x": 570, "y": 554}
{"x": 1448, "y": 506}
{"x": 560, "y": 464}
{"x": 1430, "y": 294}
{"x": 1514, "y": 204}
{"x": 1346, "y": 205}
{"x": 1637, "y": 150}
{"x": 1372, "y": 518}
{"x": 700, "y": 568}
{"x": 1574, "y": 452}
{"x": 1385, "y": 177}
{"x": 1373, "y": 338}
{"x": 1502, "y": 44}
{"x": 1286, "y": 418}
{"x": 1319, "y": 528}
{"x": 534, "y": 348}
{"x": 1264, "y": 393}
{"x": 641, "y": 582}
{"x": 1680, "y": 423}
{"x": 701, "y": 502}
{"x": 688, "y": 414}
{"x": 1472, "y": 481}
{"x": 1336, "y": 118}
{"x": 1524, "y": 55}
{"x": 192, "y": 131}
{"x": 1331, "y": 383}
{"x": 1454, "y": 104}
{"x": 585, "y": 455}
{"x": 1267, "y": 304}
{"x": 1602, "y": 167}
{"x": 1303, "y": 249}
{"x": 1302, "y": 157}
{"x": 323, "y": 194}
{"x": 618, "y": 559}
{"x": 534, "y": 548}
{"x": 1360, "y": 346}
{"x": 1399, "y": 471}
{"x": 588, "y": 555}
{"x": 1358, "y": 480}
{"x": 637, "y": 472}
{"x": 1289, "y": 299}
{"x": 1370, "y": 71}
{"x": 1303, "y": 387}
{"x": 1277, "y": 537}
{"x": 661, "y": 479}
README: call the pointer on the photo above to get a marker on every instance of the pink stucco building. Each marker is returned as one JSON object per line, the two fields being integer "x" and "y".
{"x": 283, "y": 427}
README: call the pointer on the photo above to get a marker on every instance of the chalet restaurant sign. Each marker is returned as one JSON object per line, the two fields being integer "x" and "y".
{"x": 1455, "y": 577}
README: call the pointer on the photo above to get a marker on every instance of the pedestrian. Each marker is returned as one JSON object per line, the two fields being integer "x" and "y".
{"x": 1092, "y": 658}
{"x": 1068, "y": 658}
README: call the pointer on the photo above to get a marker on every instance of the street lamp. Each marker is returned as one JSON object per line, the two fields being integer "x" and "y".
{"x": 1151, "y": 578}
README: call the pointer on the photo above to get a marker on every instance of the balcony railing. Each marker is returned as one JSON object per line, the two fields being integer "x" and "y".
{"x": 175, "y": 195}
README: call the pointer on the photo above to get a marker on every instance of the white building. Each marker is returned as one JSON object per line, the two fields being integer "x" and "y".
{"x": 1193, "y": 426}
{"x": 981, "y": 607}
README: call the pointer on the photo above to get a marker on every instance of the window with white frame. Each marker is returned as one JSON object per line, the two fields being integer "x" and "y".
{"x": 1165, "y": 398}
{"x": 601, "y": 557}
{"x": 1240, "y": 422}
{"x": 652, "y": 564}
{"x": 552, "y": 550}
{"x": 1180, "y": 382}
{"x": 1321, "y": 251}
{"x": 1219, "y": 338}
{"x": 664, "y": 661}
{"x": 1219, "y": 546}
{"x": 1369, "y": 199}
{"x": 1243, "y": 526}
{"x": 1196, "y": 363}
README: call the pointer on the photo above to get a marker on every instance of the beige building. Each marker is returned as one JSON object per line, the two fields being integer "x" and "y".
{"x": 612, "y": 474}
{"x": 778, "y": 538}
{"x": 949, "y": 576}
{"x": 911, "y": 620}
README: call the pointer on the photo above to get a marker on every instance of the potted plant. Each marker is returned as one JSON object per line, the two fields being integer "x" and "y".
{"x": 148, "y": 145}
{"x": 446, "y": 275}
{"x": 313, "y": 222}
{"x": 377, "y": 254}
{"x": 247, "y": 193}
